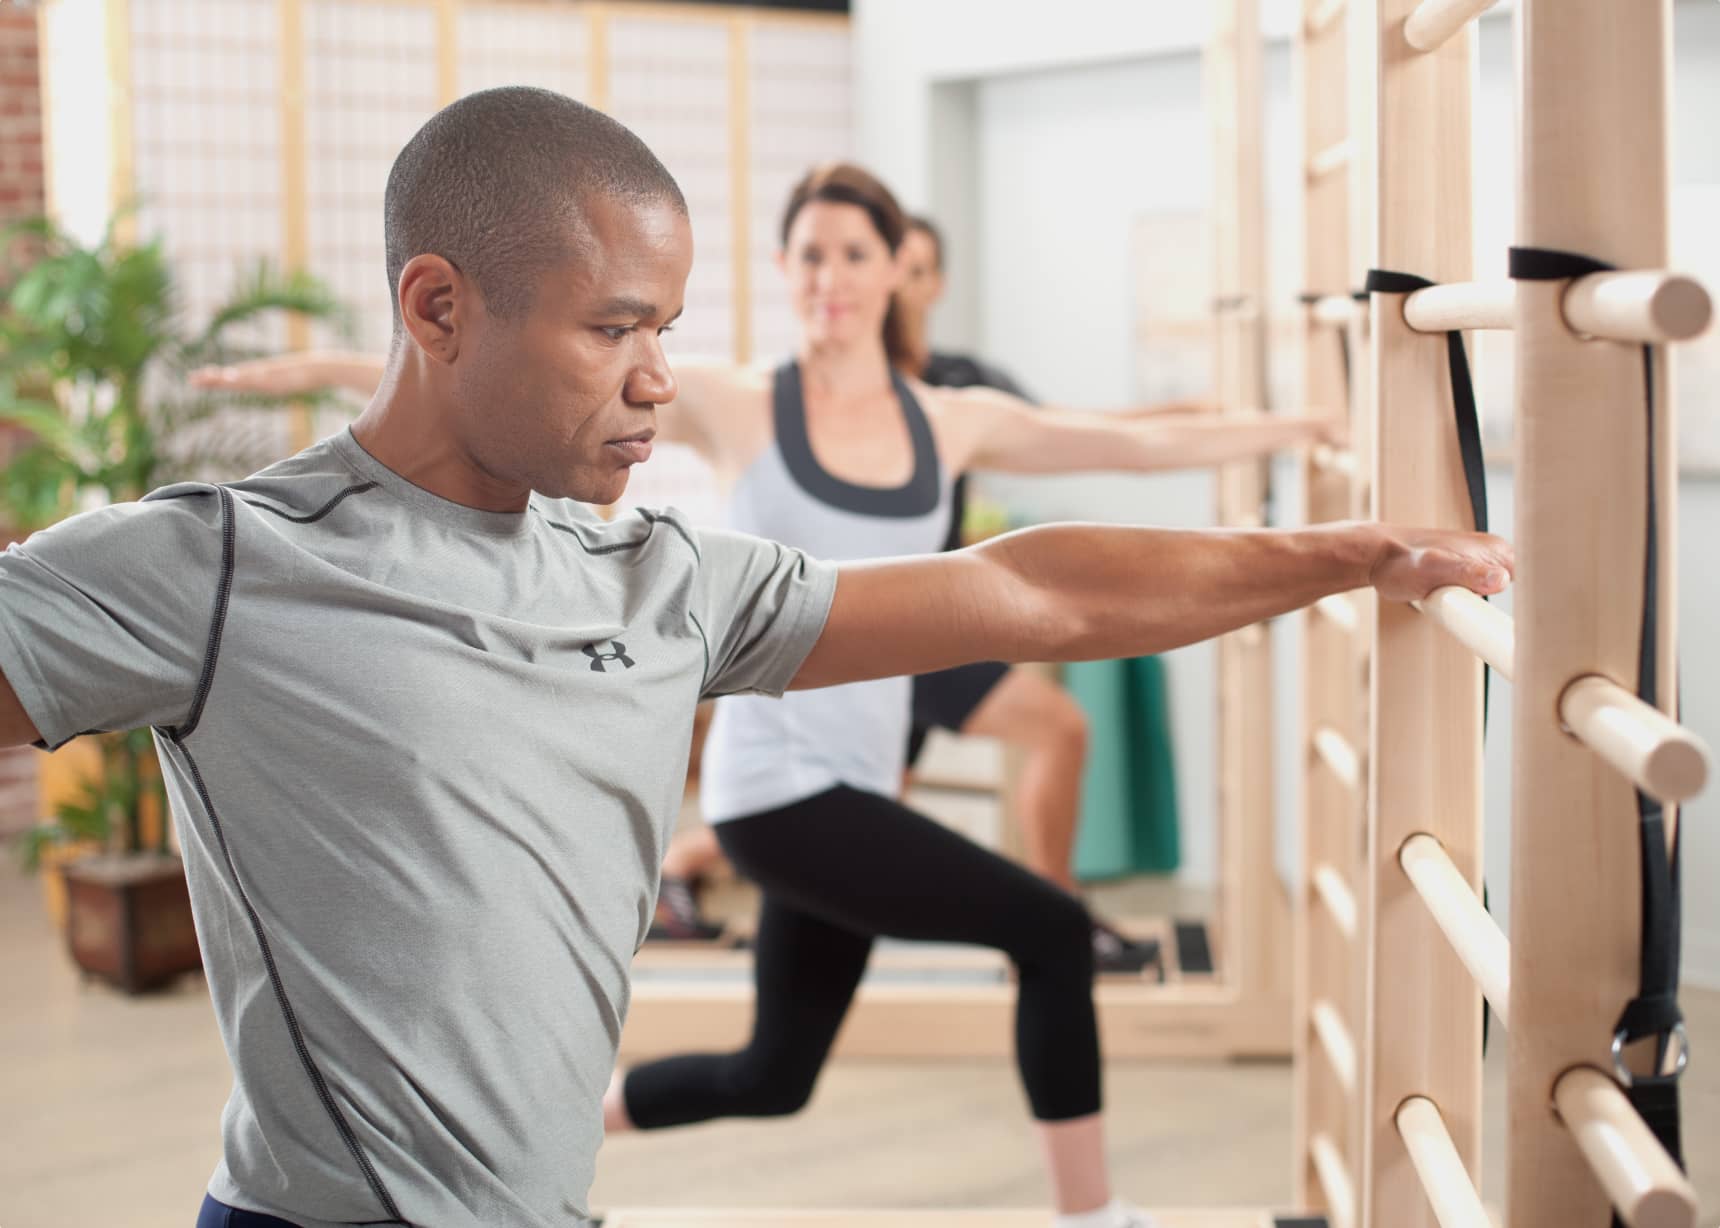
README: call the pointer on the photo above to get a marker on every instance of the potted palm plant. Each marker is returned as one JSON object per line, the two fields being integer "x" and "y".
{"x": 94, "y": 348}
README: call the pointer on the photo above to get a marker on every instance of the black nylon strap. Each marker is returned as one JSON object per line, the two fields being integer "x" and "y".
{"x": 1549, "y": 264}
{"x": 1268, "y": 490}
{"x": 1468, "y": 423}
{"x": 1384, "y": 281}
{"x": 1654, "y": 1011}
{"x": 1308, "y": 299}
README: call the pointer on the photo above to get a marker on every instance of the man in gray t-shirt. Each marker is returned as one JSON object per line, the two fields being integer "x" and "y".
{"x": 424, "y": 718}
{"x": 425, "y": 759}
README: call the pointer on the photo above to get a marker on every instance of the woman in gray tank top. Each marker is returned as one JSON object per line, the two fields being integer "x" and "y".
{"x": 839, "y": 454}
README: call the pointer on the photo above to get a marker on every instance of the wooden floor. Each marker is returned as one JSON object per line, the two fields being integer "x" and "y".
{"x": 110, "y": 1115}
{"x": 982, "y": 1218}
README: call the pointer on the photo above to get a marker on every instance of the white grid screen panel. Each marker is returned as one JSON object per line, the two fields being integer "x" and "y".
{"x": 206, "y": 145}
{"x": 669, "y": 83}
{"x": 799, "y": 86}
{"x": 370, "y": 83}
{"x": 524, "y": 44}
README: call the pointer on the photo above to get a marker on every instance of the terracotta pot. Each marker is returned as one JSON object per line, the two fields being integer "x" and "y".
{"x": 55, "y": 859}
{"x": 129, "y": 920}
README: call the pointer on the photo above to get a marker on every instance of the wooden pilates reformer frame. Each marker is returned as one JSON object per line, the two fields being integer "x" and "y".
{"x": 1239, "y": 1005}
{"x": 1396, "y": 949}
{"x": 986, "y": 1218}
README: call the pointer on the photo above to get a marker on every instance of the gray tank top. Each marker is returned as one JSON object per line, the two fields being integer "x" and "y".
{"x": 765, "y": 753}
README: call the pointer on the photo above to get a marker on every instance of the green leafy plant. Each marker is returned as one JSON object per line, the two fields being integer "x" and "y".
{"x": 110, "y": 806}
{"x": 94, "y": 354}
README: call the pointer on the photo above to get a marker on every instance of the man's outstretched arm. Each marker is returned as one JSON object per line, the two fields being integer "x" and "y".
{"x": 1072, "y": 592}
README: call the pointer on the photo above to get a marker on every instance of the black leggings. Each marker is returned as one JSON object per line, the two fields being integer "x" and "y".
{"x": 838, "y": 870}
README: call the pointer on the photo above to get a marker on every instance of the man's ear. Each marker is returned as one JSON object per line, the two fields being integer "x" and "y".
{"x": 436, "y": 304}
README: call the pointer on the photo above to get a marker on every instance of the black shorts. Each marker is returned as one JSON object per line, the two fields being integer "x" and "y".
{"x": 946, "y": 699}
{"x": 215, "y": 1214}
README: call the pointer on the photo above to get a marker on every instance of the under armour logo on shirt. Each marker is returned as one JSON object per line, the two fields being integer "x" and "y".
{"x": 598, "y": 658}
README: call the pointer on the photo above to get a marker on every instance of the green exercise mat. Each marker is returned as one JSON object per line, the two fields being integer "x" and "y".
{"x": 1129, "y": 790}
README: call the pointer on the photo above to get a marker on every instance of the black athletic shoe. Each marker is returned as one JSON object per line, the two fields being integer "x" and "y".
{"x": 678, "y": 918}
{"x": 1114, "y": 954}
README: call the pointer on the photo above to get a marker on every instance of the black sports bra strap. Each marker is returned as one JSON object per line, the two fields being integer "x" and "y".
{"x": 919, "y": 497}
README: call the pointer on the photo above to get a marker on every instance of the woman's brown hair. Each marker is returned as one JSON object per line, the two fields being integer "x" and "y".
{"x": 843, "y": 183}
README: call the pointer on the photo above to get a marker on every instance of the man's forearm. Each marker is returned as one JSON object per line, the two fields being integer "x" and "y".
{"x": 1070, "y": 592}
{"x": 1080, "y": 591}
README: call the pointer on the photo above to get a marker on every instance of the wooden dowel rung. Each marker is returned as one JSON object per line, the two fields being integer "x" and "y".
{"x": 1435, "y": 21}
{"x": 1337, "y": 754}
{"x": 1662, "y": 757}
{"x": 1647, "y": 306}
{"x": 1484, "y": 629}
{"x": 1335, "y": 1040}
{"x": 1462, "y": 304}
{"x": 1644, "y": 1184}
{"x": 1334, "y": 157}
{"x": 1322, "y": 16}
{"x": 1334, "y": 1177}
{"x": 1336, "y": 310}
{"x": 1339, "y": 610}
{"x": 1449, "y": 1188}
{"x": 1236, "y": 306}
{"x": 1339, "y": 900}
{"x": 1473, "y": 934}
{"x": 1325, "y": 456}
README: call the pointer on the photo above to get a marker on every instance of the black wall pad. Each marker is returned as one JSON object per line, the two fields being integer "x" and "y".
{"x": 1194, "y": 951}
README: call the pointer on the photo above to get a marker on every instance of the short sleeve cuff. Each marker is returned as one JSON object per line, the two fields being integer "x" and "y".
{"x": 803, "y": 616}
{"x": 37, "y": 698}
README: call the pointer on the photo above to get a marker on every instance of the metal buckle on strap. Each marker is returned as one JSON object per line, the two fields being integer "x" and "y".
{"x": 1677, "y": 1054}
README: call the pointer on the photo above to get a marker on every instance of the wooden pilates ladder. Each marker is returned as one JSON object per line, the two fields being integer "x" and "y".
{"x": 1333, "y": 65}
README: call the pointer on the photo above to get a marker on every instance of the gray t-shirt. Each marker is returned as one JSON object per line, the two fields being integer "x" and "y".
{"x": 424, "y": 761}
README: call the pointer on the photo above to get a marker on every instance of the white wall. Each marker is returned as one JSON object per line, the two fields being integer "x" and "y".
{"x": 1061, "y": 196}
{"x": 1037, "y": 142}
{"x": 1051, "y": 300}
{"x": 78, "y": 105}
{"x": 903, "y": 47}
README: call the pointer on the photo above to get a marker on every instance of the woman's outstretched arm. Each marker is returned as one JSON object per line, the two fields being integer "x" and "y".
{"x": 990, "y": 430}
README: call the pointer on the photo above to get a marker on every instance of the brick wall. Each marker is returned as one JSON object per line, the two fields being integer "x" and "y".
{"x": 21, "y": 194}
{"x": 21, "y": 181}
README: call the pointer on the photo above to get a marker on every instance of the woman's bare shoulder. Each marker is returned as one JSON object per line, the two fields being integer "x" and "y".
{"x": 722, "y": 408}
{"x": 706, "y": 378}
